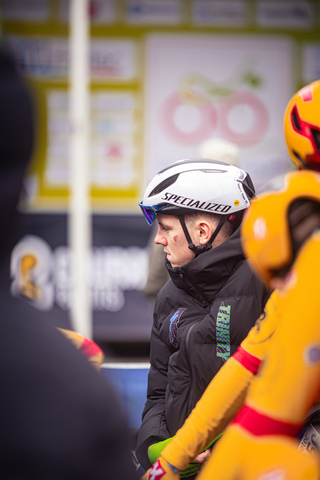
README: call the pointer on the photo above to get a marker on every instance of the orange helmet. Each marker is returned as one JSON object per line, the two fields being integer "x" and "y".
{"x": 302, "y": 127}
{"x": 265, "y": 232}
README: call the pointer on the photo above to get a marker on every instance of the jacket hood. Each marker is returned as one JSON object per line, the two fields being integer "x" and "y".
{"x": 16, "y": 144}
{"x": 205, "y": 275}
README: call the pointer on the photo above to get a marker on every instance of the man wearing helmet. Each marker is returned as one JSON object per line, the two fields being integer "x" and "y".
{"x": 219, "y": 405}
{"x": 213, "y": 148}
{"x": 212, "y": 298}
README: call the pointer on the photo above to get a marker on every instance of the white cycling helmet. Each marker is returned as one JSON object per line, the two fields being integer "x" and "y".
{"x": 198, "y": 185}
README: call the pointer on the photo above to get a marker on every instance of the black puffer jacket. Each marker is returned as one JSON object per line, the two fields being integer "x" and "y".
{"x": 201, "y": 316}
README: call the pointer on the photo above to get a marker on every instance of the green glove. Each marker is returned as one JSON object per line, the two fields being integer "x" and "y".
{"x": 155, "y": 452}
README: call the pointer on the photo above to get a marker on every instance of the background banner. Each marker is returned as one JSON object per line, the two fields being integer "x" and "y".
{"x": 165, "y": 76}
{"x": 40, "y": 272}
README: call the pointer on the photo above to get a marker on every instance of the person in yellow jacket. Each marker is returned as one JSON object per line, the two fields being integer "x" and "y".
{"x": 281, "y": 236}
{"x": 214, "y": 410}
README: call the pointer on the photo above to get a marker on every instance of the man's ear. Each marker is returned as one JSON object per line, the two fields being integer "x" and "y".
{"x": 204, "y": 231}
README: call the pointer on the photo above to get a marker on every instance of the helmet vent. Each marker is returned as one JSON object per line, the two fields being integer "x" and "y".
{"x": 249, "y": 187}
{"x": 316, "y": 136}
{"x": 303, "y": 219}
{"x": 296, "y": 154}
{"x": 295, "y": 119}
{"x": 163, "y": 185}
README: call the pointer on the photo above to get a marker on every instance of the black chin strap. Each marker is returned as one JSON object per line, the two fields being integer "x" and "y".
{"x": 201, "y": 248}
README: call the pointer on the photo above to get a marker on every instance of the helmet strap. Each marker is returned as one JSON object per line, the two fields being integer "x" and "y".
{"x": 197, "y": 249}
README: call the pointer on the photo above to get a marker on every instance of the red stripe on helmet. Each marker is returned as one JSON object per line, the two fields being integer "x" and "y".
{"x": 307, "y": 93}
{"x": 305, "y": 130}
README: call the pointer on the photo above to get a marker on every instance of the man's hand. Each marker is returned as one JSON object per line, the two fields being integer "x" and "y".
{"x": 161, "y": 470}
{"x": 203, "y": 456}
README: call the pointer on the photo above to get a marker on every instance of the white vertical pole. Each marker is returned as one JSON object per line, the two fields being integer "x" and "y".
{"x": 79, "y": 224}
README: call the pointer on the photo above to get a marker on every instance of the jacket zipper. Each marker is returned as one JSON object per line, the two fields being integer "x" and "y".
{"x": 189, "y": 364}
{"x": 200, "y": 298}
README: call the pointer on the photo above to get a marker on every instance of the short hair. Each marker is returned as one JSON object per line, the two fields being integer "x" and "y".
{"x": 229, "y": 227}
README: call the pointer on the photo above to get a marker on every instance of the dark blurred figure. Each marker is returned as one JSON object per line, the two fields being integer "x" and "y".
{"x": 59, "y": 418}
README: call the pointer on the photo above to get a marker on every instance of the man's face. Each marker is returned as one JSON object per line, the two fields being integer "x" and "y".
{"x": 171, "y": 236}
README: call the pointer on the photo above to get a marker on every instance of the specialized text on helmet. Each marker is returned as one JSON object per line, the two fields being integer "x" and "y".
{"x": 196, "y": 204}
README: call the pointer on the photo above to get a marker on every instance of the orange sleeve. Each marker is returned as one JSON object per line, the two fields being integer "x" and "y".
{"x": 221, "y": 400}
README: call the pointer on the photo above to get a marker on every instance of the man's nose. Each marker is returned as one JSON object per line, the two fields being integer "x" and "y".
{"x": 159, "y": 239}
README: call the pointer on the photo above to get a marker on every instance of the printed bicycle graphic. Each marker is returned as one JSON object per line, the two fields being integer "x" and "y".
{"x": 214, "y": 106}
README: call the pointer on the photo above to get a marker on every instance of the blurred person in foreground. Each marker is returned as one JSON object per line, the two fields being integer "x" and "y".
{"x": 59, "y": 418}
{"x": 212, "y": 298}
{"x": 214, "y": 411}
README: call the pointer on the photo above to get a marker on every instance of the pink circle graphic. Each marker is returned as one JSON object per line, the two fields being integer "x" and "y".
{"x": 259, "y": 126}
{"x": 208, "y": 120}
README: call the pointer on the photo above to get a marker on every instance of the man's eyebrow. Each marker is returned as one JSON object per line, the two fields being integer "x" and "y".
{"x": 163, "y": 224}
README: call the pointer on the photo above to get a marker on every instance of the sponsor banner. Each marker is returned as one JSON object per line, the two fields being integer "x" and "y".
{"x": 41, "y": 273}
{"x": 48, "y": 57}
{"x": 114, "y": 59}
{"x": 112, "y": 130}
{"x": 158, "y": 12}
{"x": 36, "y": 11}
{"x": 220, "y": 13}
{"x": 42, "y": 57}
{"x": 100, "y": 11}
{"x": 227, "y": 86}
{"x": 232, "y": 84}
{"x": 285, "y": 14}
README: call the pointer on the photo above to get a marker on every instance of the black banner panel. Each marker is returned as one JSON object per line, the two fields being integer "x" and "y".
{"x": 117, "y": 271}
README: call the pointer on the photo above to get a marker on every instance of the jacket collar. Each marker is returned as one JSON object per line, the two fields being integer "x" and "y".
{"x": 204, "y": 276}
